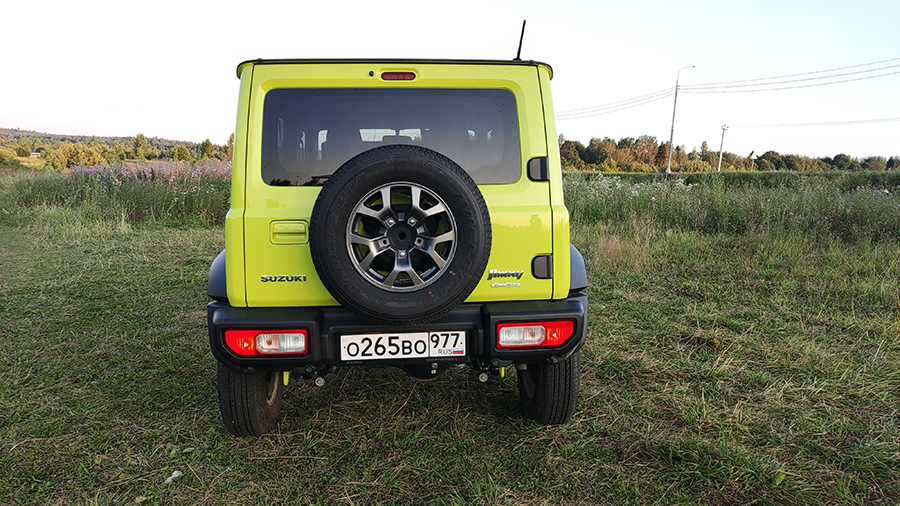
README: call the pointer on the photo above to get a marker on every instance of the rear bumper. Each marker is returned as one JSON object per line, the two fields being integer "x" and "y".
{"x": 326, "y": 325}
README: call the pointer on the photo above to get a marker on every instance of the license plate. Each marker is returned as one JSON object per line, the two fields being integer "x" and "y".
{"x": 403, "y": 345}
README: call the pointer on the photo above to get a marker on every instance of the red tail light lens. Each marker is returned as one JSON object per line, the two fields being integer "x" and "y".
{"x": 266, "y": 342}
{"x": 534, "y": 334}
{"x": 398, "y": 76}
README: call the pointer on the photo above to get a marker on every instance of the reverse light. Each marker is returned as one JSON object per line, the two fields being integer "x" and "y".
{"x": 534, "y": 334}
{"x": 398, "y": 76}
{"x": 266, "y": 342}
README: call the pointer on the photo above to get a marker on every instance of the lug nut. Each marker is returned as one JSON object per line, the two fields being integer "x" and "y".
{"x": 402, "y": 255}
{"x": 412, "y": 221}
{"x": 390, "y": 222}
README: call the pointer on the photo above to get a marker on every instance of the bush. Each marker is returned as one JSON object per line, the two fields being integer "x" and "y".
{"x": 695, "y": 166}
{"x": 8, "y": 159}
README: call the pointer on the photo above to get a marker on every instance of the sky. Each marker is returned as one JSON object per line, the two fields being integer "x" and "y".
{"x": 167, "y": 68}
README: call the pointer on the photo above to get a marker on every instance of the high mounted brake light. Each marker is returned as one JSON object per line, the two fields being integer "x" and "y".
{"x": 266, "y": 342}
{"x": 398, "y": 76}
{"x": 534, "y": 334}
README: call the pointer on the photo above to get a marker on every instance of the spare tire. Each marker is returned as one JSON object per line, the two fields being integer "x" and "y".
{"x": 400, "y": 235}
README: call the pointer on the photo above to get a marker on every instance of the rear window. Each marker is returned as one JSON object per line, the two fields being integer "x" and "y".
{"x": 309, "y": 133}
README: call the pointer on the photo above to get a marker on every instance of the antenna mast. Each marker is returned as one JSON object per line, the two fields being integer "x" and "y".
{"x": 521, "y": 37}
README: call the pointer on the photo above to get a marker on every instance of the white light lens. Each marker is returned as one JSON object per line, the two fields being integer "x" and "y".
{"x": 522, "y": 336}
{"x": 281, "y": 343}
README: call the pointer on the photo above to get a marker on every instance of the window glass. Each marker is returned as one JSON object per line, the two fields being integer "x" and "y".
{"x": 478, "y": 129}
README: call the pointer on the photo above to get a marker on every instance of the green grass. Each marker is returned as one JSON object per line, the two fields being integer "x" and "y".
{"x": 849, "y": 210}
{"x": 778, "y": 179}
{"x": 163, "y": 193}
{"x": 754, "y": 367}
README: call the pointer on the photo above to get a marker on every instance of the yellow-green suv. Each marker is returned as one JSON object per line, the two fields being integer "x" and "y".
{"x": 395, "y": 213}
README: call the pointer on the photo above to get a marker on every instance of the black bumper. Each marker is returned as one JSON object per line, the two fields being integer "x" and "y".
{"x": 326, "y": 325}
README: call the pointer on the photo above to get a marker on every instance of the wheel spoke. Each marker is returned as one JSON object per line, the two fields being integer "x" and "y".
{"x": 446, "y": 236}
{"x": 414, "y": 276}
{"x": 386, "y": 202}
{"x": 400, "y": 267}
{"x": 366, "y": 262}
{"x": 364, "y": 241}
{"x": 435, "y": 209}
{"x": 375, "y": 249}
{"x": 365, "y": 211}
{"x": 416, "y": 200}
{"x": 431, "y": 242}
{"x": 429, "y": 247}
{"x": 392, "y": 277}
{"x": 436, "y": 258}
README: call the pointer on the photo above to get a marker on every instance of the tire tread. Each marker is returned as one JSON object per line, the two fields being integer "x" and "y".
{"x": 242, "y": 402}
{"x": 556, "y": 391}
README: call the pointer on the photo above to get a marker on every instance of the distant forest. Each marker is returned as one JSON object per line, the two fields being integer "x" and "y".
{"x": 62, "y": 151}
{"x": 646, "y": 154}
{"x": 643, "y": 154}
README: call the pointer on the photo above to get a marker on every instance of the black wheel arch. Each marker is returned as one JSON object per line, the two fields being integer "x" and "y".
{"x": 577, "y": 271}
{"x": 216, "y": 288}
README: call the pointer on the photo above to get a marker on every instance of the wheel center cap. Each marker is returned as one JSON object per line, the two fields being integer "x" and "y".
{"x": 401, "y": 236}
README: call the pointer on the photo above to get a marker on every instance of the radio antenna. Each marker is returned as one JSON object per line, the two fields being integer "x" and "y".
{"x": 519, "y": 53}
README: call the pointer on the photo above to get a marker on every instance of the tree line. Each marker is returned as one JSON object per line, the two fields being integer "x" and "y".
{"x": 642, "y": 154}
{"x": 61, "y": 151}
{"x": 646, "y": 154}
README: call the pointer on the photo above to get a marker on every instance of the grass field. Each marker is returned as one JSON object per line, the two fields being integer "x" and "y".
{"x": 753, "y": 365}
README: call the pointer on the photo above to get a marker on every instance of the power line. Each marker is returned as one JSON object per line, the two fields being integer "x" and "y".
{"x": 619, "y": 103}
{"x": 823, "y": 123}
{"x": 800, "y": 74}
{"x": 693, "y": 87}
{"x": 728, "y": 87}
{"x": 609, "y": 109}
{"x": 791, "y": 87}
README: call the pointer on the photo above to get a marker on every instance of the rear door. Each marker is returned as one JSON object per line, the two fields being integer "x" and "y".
{"x": 306, "y": 119}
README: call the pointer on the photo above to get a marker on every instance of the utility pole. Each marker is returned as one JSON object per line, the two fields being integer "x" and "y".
{"x": 672, "y": 133}
{"x": 722, "y": 143}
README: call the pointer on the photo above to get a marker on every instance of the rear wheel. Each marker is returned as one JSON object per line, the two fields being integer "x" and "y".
{"x": 250, "y": 403}
{"x": 549, "y": 392}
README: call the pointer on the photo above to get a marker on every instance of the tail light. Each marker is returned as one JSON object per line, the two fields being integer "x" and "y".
{"x": 266, "y": 342}
{"x": 534, "y": 334}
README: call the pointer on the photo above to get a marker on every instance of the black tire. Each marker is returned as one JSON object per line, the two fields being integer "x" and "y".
{"x": 549, "y": 392}
{"x": 250, "y": 403}
{"x": 400, "y": 235}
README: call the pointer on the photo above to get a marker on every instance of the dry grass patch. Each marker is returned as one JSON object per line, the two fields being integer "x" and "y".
{"x": 618, "y": 253}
